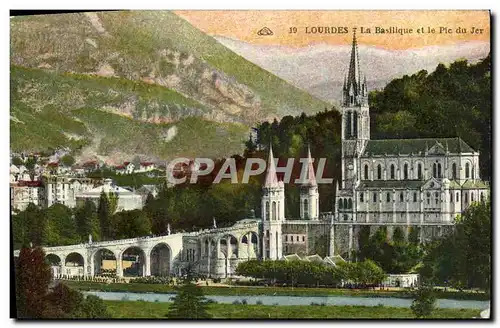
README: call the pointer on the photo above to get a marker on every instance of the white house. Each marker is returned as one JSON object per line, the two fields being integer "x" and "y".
{"x": 126, "y": 168}
{"x": 127, "y": 200}
{"x": 146, "y": 167}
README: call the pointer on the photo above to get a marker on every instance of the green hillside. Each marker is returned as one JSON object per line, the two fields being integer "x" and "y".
{"x": 141, "y": 44}
{"x": 49, "y": 110}
{"x": 150, "y": 69}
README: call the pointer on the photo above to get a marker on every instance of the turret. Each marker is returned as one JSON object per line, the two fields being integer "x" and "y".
{"x": 309, "y": 196}
{"x": 273, "y": 211}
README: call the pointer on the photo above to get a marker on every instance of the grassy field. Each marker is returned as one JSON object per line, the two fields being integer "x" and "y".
{"x": 142, "y": 310}
{"x": 247, "y": 291}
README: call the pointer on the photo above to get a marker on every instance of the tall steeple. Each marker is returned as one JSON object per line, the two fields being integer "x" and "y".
{"x": 355, "y": 89}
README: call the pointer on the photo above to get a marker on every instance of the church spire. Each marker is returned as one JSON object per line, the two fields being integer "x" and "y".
{"x": 354, "y": 92}
{"x": 353, "y": 76}
{"x": 271, "y": 177}
{"x": 310, "y": 178}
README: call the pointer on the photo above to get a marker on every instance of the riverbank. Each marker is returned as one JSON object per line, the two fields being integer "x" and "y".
{"x": 143, "y": 310}
{"x": 255, "y": 291}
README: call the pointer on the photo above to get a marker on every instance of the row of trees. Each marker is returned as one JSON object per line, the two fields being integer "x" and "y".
{"x": 452, "y": 101}
{"x": 394, "y": 255}
{"x": 462, "y": 259}
{"x": 363, "y": 274}
{"x": 37, "y": 299}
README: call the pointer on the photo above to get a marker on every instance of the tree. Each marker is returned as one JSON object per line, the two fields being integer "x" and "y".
{"x": 17, "y": 161}
{"x": 424, "y": 301}
{"x": 470, "y": 267}
{"x": 189, "y": 302}
{"x": 130, "y": 224}
{"x": 61, "y": 226}
{"x": 104, "y": 214}
{"x": 68, "y": 160}
{"x": 70, "y": 303}
{"x": 86, "y": 221}
{"x": 37, "y": 224}
{"x": 33, "y": 277}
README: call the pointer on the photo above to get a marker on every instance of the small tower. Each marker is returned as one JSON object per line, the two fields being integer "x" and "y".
{"x": 309, "y": 196}
{"x": 273, "y": 212}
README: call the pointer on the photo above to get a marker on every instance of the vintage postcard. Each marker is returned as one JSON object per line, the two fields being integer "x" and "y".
{"x": 251, "y": 164}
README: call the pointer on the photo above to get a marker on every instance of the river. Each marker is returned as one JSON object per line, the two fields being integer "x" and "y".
{"x": 295, "y": 300}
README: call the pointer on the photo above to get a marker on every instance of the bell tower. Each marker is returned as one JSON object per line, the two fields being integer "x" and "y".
{"x": 355, "y": 119}
{"x": 273, "y": 212}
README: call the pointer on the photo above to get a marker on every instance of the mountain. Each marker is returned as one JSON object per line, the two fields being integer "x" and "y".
{"x": 320, "y": 68}
{"x": 144, "y": 73}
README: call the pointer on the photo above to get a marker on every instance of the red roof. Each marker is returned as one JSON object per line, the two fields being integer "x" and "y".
{"x": 119, "y": 167}
{"x": 90, "y": 163}
{"x": 29, "y": 183}
{"x": 126, "y": 163}
{"x": 54, "y": 164}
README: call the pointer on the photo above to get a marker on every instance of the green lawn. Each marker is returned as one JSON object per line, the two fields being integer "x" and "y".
{"x": 139, "y": 309}
{"x": 247, "y": 291}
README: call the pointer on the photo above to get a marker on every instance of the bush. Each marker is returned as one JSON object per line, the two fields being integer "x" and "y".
{"x": 310, "y": 274}
{"x": 424, "y": 302}
{"x": 259, "y": 302}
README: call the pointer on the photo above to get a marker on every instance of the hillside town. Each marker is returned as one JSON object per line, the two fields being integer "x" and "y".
{"x": 47, "y": 180}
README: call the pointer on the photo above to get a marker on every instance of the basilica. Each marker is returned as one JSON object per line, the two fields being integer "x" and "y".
{"x": 409, "y": 183}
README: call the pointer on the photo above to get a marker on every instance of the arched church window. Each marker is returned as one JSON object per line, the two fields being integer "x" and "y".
{"x": 434, "y": 170}
{"x": 274, "y": 211}
{"x": 465, "y": 198}
{"x": 472, "y": 173}
{"x": 340, "y": 204}
{"x": 454, "y": 171}
{"x": 355, "y": 125}
{"x": 405, "y": 171}
{"x": 439, "y": 170}
{"x": 401, "y": 197}
{"x": 375, "y": 197}
{"x": 278, "y": 210}
{"x": 361, "y": 197}
{"x": 306, "y": 208}
{"x": 482, "y": 197}
{"x": 471, "y": 197}
{"x": 267, "y": 212}
{"x": 388, "y": 197}
{"x": 366, "y": 171}
{"x": 349, "y": 122}
{"x": 345, "y": 203}
{"x": 467, "y": 168}
{"x": 414, "y": 196}
{"x": 350, "y": 203}
{"x": 428, "y": 198}
{"x": 436, "y": 196}
{"x": 458, "y": 197}
{"x": 379, "y": 172}
{"x": 392, "y": 171}
{"x": 419, "y": 171}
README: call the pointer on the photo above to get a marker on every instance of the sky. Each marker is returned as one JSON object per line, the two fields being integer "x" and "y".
{"x": 244, "y": 25}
